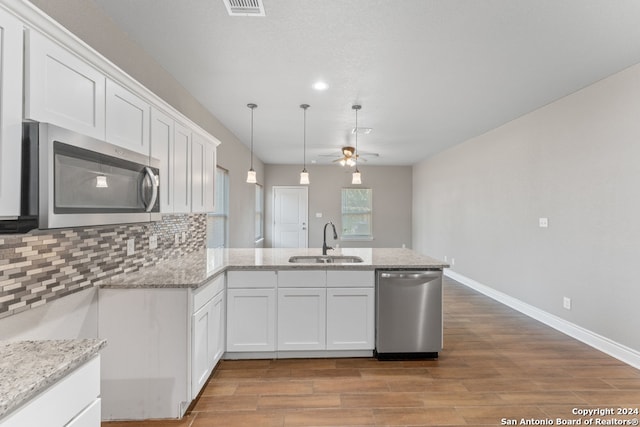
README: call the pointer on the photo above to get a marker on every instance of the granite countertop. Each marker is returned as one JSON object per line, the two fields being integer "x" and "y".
{"x": 29, "y": 367}
{"x": 194, "y": 270}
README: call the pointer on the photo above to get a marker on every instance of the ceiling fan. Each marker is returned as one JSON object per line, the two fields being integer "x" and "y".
{"x": 349, "y": 157}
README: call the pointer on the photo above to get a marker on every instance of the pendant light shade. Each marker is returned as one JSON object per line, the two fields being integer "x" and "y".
{"x": 251, "y": 174}
{"x": 304, "y": 175}
{"x": 356, "y": 178}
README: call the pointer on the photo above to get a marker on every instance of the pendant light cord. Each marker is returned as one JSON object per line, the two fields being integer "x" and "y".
{"x": 252, "y": 107}
{"x": 304, "y": 138}
{"x": 356, "y": 107}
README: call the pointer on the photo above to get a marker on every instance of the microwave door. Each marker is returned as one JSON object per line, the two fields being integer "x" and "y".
{"x": 86, "y": 182}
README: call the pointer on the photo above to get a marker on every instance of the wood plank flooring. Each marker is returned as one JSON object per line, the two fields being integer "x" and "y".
{"x": 497, "y": 367}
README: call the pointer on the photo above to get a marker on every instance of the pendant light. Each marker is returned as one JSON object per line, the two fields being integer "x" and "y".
{"x": 356, "y": 177}
{"x": 251, "y": 174}
{"x": 304, "y": 175}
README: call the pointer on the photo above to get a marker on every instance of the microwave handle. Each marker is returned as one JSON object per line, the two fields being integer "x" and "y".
{"x": 154, "y": 187}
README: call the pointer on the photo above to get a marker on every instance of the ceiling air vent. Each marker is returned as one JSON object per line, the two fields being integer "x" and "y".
{"x": 244, "y": 7}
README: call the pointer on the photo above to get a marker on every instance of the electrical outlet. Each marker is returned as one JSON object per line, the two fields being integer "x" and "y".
{"x": 543, "y": 222}
{"x": 453, "y": 262}
{"x": 566, "y": 303}
{"x": 153, "y": 241}
{"x": 176, "y": 239}
{"x": 131, "y": 247}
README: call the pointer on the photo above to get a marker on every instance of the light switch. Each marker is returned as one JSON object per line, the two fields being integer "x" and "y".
{"x": 543, "y": 222}
{"x": 318, "y": 214}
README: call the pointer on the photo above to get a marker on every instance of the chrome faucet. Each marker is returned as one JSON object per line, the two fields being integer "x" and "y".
{"x": 324, "y": 237}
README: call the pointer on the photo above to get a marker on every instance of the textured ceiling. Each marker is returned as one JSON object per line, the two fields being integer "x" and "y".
{"x": 428, "y": 73}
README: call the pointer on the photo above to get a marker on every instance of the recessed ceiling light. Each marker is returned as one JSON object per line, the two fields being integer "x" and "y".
{"x": 320, "y": 85}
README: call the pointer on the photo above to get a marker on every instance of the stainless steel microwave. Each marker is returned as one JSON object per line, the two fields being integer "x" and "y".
{"x": 72, "y": 180}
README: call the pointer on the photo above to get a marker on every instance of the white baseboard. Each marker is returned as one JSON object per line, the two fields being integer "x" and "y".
{"x": 604, "y": 344}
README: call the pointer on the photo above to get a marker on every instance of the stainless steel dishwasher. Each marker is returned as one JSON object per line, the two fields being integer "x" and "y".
{"x": 408, "y": 314}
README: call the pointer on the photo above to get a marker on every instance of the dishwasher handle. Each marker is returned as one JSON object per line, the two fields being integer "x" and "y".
{"x": 410, "y": 275}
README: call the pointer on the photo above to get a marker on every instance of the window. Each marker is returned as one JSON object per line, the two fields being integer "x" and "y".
{"x": 218, "y": 220}
{"x": 259, "y": 211}
{"x": 356, "y": 214}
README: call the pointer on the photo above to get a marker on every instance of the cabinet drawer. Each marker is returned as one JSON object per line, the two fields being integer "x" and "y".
{"x": 302, "y": 279}
{"x": 344, "y": 278}
{"x": 252, "y": 279}
{"x": 204, "y": 293}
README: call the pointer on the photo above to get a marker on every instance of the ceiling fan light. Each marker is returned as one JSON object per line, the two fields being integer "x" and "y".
{"x": 356, "y": 178}
{"x": 343, "y": 162}
{"x": 304, "y": 177}
{"x": 350, "y": 162}
{"x": 251, "y": 176}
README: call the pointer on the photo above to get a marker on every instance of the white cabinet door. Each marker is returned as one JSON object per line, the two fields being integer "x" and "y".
{"x": 203, "y": 173}
{"x": 202, "y": 347}
{"x": 217, "y": 333}
{"x": 251, "y": 320}
{"x": 10, "y": 113}
{"x": 350, "y": 318}
{"x": 181, "y": 169}
{"x": 301, "y": 318}
{"x": 198, "y": 172}
{"x": 62, "y": 89}
{"x": 127, "y": 119}
{"x": 162, "y": 149}
{"x": 210, "y": 164}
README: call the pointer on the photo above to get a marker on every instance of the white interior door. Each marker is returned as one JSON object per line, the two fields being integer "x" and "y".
{"x": 290, "y": 217}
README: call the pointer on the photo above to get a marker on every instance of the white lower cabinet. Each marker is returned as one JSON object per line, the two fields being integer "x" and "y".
{"x": 72, "y": 401}
{"x": 251, "y": 311}
{"x": 350, "y": 310}
{"x": 207, "y": 329}
{"x": 163, "y": 343}
{"x": 350, "y": 318}
{"x": 251, "y": 320}
{"x": 302, "y": 318}
{"x": 314, "y": 310}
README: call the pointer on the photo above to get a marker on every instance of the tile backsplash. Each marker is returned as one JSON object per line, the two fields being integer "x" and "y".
{"x": 44, "y": 265}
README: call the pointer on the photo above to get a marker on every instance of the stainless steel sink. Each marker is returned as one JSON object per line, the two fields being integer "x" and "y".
{"x": 325, "y": 259}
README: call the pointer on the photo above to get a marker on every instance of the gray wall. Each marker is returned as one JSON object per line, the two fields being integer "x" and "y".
{"x": 576, "y": 162}
{"x": 391, "y": 201}
{"x": 87, "y": 21}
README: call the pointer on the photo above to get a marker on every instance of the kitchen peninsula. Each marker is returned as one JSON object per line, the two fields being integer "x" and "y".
{"x": 168, "y": 325}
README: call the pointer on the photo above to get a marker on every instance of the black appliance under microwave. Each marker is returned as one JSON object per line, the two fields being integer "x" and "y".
{"x": 72, "y": 180}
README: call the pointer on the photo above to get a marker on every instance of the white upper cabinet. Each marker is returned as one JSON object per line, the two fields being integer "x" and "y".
{"x": 203, "y": 164}
{"x": 62, "y": 89}
{"x": 127, "y": 119}
{"x": 210, "y": 164}
{"x": 162, "y": 149}
{"x": 181, "y": 169}
{"x": 10, "y": 113}
{"x": 187, "y": 165}
{"x": 198, "y": 173}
